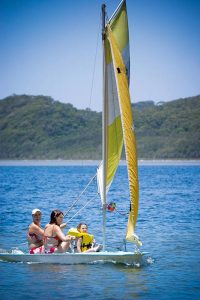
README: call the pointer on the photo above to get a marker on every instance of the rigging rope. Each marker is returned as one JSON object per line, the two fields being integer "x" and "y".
{"x": 73, "y": 204}
{"x": 94, "y": 66}
{"x": 121, "y": 213}
{"x": 82, "y": 208}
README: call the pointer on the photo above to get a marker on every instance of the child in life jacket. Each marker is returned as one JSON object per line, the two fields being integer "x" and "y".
{"x": 86, "y": 241}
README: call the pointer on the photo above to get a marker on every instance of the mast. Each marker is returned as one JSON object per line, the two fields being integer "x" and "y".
{"x": 104, "y": 122}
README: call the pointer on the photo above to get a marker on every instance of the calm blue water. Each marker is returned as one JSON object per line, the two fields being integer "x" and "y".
{"x": 168, "y": 224}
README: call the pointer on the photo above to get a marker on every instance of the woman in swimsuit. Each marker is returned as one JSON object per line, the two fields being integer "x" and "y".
{"x": 54, "y": 238}
{"x": 35, "y": 233}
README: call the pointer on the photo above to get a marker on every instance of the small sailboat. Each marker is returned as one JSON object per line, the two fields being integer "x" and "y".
{"x": 118, "y": 129}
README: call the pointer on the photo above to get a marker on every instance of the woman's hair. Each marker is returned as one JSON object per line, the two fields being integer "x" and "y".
{"x": 54, "y": 214}
{"x": 79, "y": 226}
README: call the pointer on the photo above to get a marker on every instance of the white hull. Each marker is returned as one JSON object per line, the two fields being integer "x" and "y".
{"x": 75, "y": 258}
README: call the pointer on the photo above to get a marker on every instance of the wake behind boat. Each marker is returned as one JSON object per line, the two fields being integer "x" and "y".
{"x": 117, "y": 130}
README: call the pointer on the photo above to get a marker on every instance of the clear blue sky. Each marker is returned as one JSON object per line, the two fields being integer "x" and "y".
{"x": 48, "y": 47}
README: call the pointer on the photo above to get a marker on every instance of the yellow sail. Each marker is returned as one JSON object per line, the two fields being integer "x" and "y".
{"x": 117, "y": 115}
{"x": 113, "y": 126}
{"x": 128, "y": 132}
{"x": 119, "y": 27}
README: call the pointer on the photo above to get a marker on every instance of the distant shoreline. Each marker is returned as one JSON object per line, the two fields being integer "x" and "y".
{"x": 59, "y": 162}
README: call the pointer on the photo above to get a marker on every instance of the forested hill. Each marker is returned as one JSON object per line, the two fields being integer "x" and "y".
{"x": 37, "y": 127}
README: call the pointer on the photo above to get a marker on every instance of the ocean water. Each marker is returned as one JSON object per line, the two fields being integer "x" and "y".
{"x": 168, "y": 224}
